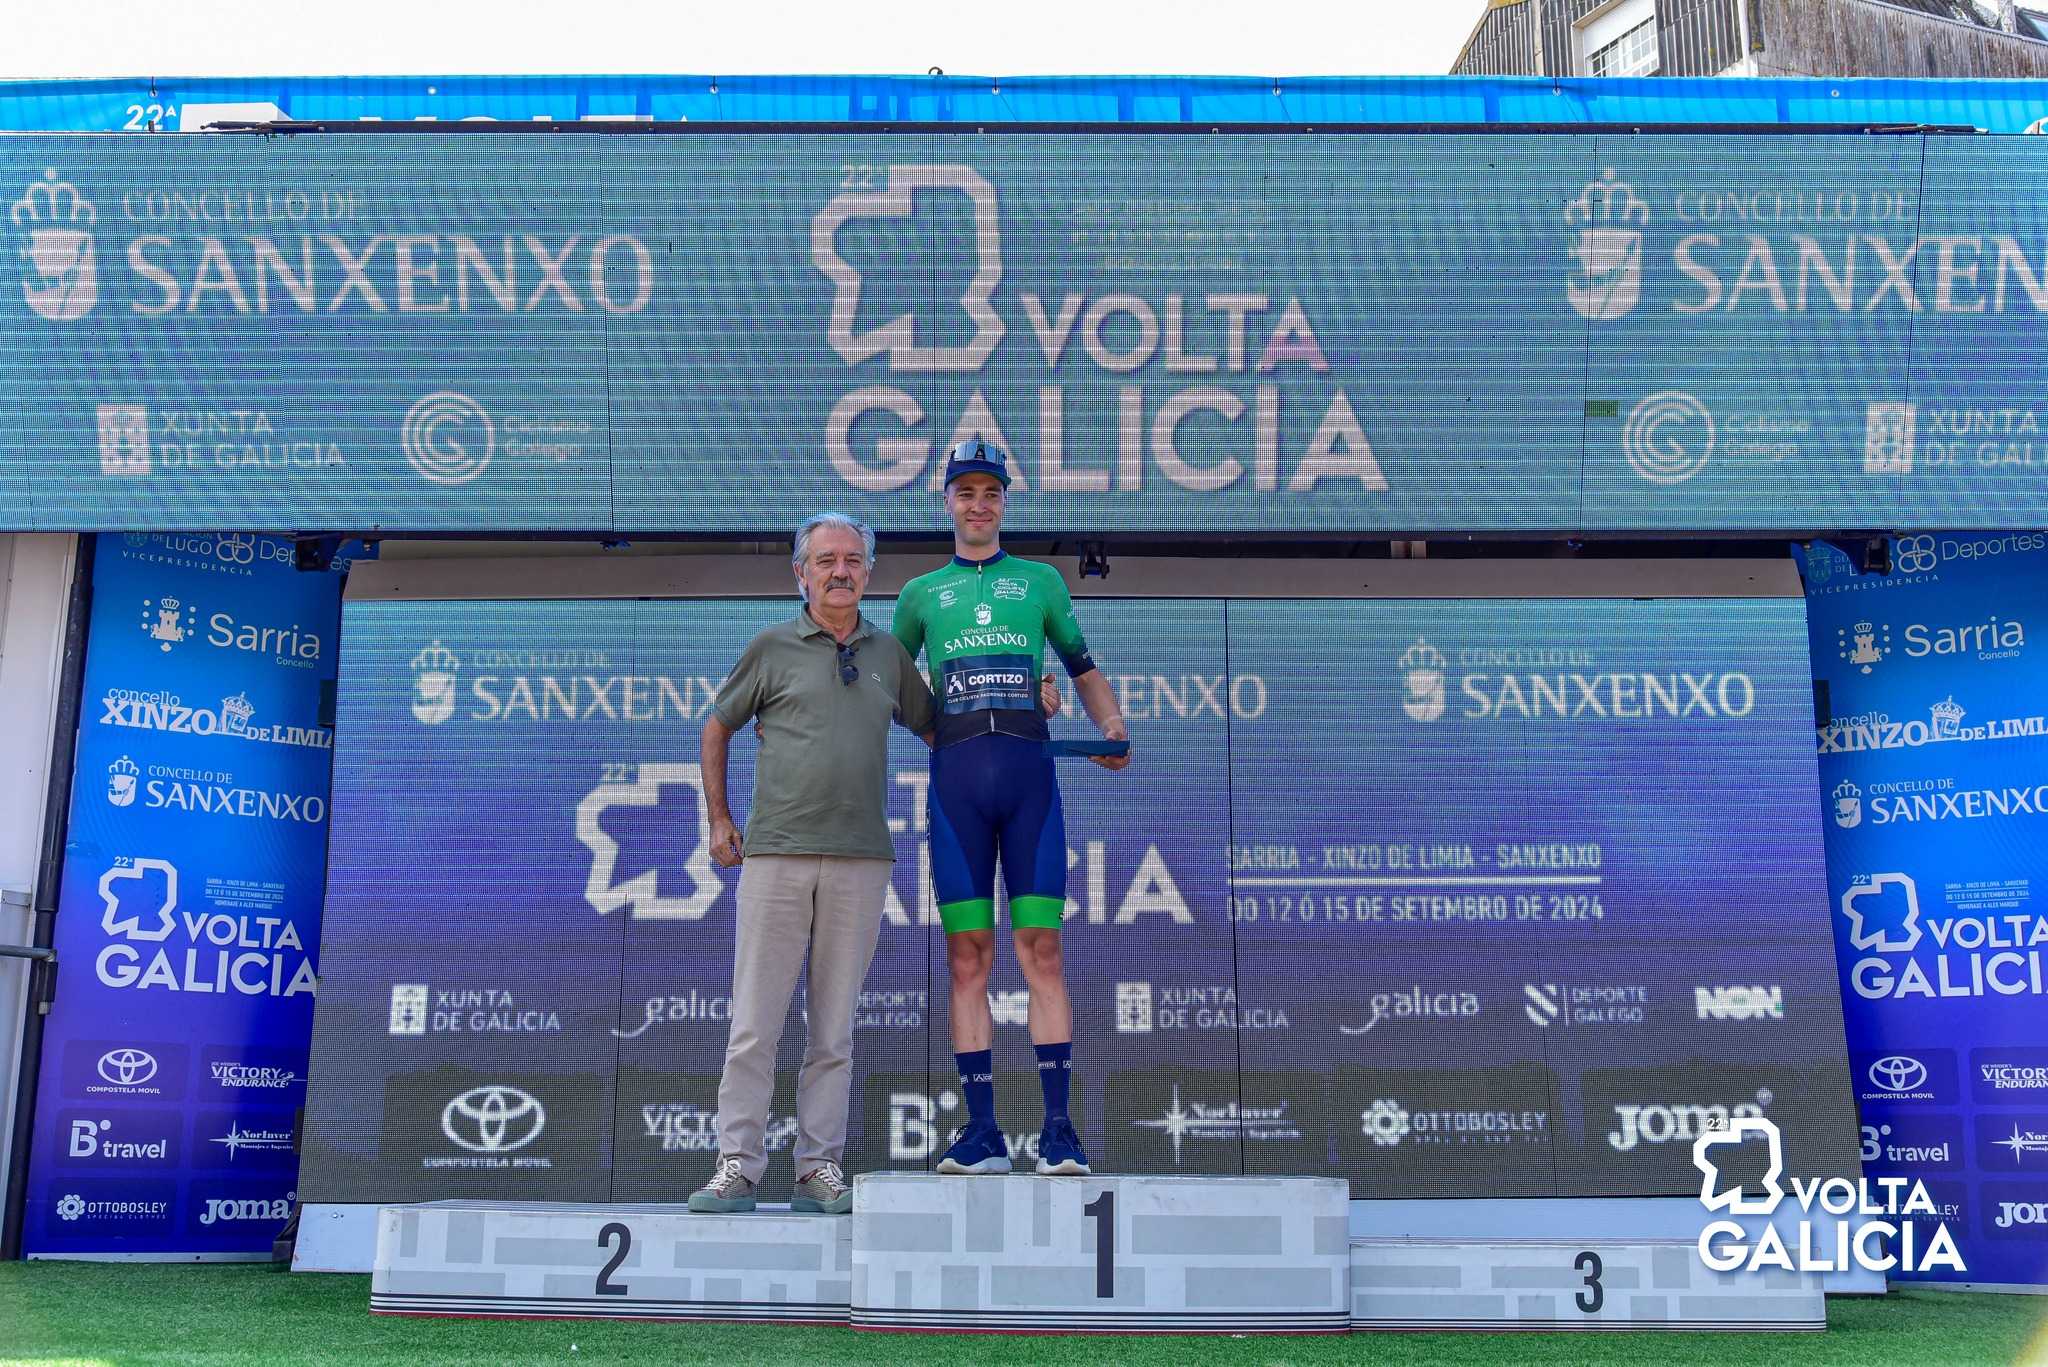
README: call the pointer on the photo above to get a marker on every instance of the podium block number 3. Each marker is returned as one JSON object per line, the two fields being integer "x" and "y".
{"x": 1102, "y": 1210}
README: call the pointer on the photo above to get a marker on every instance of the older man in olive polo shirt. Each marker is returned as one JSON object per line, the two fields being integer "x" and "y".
{"x": 823, "y": 687}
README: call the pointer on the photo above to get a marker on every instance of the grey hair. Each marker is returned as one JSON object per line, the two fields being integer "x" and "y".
{"x": 802, "y": 550}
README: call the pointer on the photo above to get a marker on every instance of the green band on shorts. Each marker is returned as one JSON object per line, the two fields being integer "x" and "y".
{"x": 1032, "y": 912}
{"x": 976, "y": 913}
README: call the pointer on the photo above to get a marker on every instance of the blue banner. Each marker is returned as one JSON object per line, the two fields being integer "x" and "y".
{"x": 1934, "y": 769}
{"x": 1447, "y": 898}
{"x": 189, "y": 914}
{"x": 193, "y": 104}
{"x": 708, "y": 333}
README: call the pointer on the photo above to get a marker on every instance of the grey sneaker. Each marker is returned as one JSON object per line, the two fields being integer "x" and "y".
{"x": 727, "y": 1191}
{"x": 823, "y": 1192}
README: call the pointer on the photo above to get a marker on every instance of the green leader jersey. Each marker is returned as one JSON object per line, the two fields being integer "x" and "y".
{"x": 983, "y": 626}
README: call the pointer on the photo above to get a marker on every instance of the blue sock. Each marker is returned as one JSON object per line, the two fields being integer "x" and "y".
{"x": 978, "y": 1081}
{"x": 1055, "y": 1065}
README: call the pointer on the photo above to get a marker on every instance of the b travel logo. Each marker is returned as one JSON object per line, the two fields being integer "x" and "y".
{"x": 1883, "y": 1224}
{"x": 1263, "y": 361}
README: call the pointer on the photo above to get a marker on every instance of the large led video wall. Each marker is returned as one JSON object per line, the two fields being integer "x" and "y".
{"x": 709, "y": 332}
{"x": 1452, "y": 898}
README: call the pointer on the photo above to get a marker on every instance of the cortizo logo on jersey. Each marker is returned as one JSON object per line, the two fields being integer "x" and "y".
{"x": 53, "y": 226}
{"x": 1212, "y": 339}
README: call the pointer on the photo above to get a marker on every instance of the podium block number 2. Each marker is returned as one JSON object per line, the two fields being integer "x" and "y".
{"x": 605, "y": 1285}
{"x": 1102, "y": 1210}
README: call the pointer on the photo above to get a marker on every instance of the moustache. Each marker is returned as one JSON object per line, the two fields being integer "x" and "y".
{"x": 838, "y": 583}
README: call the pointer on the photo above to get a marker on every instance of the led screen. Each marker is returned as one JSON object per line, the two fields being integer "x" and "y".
{"x": 1452, "y": 898}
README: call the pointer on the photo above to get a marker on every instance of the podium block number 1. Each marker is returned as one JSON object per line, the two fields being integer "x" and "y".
{"x": 1102, "y": 1210}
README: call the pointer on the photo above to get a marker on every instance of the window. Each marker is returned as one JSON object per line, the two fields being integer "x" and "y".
{"x": 1634, "y": 53}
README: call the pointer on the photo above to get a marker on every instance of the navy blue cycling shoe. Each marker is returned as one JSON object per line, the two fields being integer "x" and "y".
{"x": 978, "y": 1147}
{"x": 1059, "y": 1150}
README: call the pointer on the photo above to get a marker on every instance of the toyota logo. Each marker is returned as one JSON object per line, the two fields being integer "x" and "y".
{"x": 127, "y": 1067}
{"x": 1897, "y": 1073}
{"x": 493, "y": 1119}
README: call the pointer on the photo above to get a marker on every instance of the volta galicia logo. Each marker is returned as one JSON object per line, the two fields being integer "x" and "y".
{"x": 448, "y": 437}
{"x": 1608, "y": 247}
{"x": 434, "y": 672}
{"x": 53, "y": 223}
{"x": 127, "y": 1067}
{"x": 641, "y": 893}
{"x": 1848, "y": 805}
{"x": 493, "y": 1119}
{"x": 1422, "y": 681}
{"x": 1891, "y": 925}
{"x": 1668, "y": 437}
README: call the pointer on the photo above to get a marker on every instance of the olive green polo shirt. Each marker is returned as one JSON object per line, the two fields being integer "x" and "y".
{"x": 821, "y": 780}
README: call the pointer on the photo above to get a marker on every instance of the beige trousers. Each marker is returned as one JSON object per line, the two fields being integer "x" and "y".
{"x": 829, "y": 908}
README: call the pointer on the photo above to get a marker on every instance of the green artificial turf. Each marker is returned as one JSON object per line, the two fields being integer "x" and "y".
{"x": 54, "y": 1313}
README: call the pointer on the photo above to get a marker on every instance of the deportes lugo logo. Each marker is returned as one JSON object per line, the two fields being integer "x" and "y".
{"x": 54, "y": 224}
{"x": 1885, "y": 1237}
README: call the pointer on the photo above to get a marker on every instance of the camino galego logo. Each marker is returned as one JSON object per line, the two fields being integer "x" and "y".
{"x": 448, "y": 437}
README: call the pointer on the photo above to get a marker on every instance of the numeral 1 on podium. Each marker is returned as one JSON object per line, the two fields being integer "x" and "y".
{"x": 1102, "y": 1210}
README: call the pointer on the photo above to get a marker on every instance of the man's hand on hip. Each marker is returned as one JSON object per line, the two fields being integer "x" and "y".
{"x": 725, "y": 843}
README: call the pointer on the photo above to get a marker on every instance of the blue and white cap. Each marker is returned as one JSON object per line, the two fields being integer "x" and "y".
{"x": 977, "y": 458}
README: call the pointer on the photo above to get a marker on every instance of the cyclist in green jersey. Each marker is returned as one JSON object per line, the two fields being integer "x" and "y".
{"x": 983, "y": 622}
